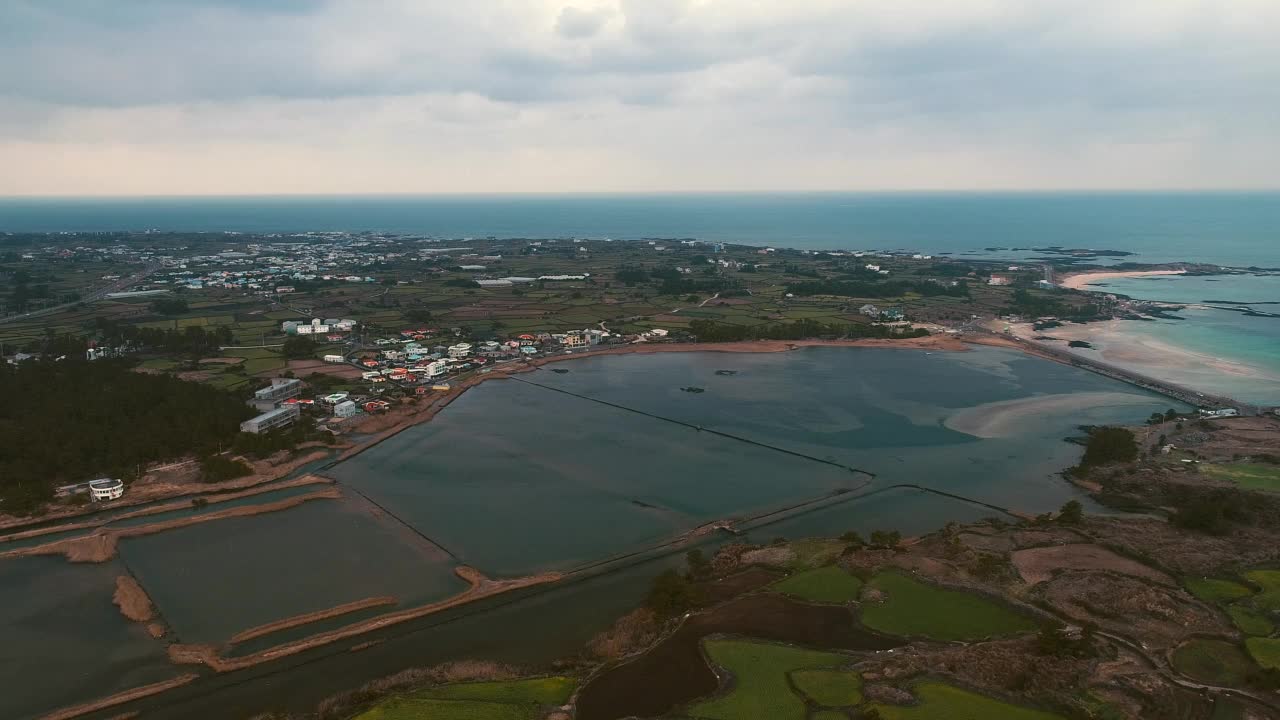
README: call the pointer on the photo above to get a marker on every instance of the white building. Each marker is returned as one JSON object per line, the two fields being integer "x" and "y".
{"x": 460, "y": 350}
{"x": 106, "y": 489}
{"x": 345, "y": 409}
{"x": 281, "y": 416}
{"x": 333, "y": 358}
{"x": 437, "y": 368}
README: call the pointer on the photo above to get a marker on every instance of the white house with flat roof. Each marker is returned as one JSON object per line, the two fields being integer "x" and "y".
{"x": 106, "y": 489}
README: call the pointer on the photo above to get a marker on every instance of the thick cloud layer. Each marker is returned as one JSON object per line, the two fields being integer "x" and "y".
{"x": 281, "y": 96}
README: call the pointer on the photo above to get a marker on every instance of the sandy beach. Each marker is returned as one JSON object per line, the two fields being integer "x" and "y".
{"x": 1080, "y": 281}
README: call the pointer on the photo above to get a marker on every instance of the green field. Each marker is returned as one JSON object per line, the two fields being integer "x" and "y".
{"x": 1269, "y": 581}
{"x": 830, "y": 584}
{"x": 813, "y": 552}
{"x": 939, "y": 701}
{"x": 828, "y": 715}
{"x": 1252, "y": 476}
{"x": 554, "y": 690}
{"x": 411, "y": 709}
{"x": 915, "y": 609}
{"x": 760, "y": 688}
{"x": 502, "y": 700}
{"x": 1265, "y": 651}
{"x": 1250, "y": 621}
{"x": 832, "y": 688}
{"x": 1213, "y": 590}
{"x": 1212, "y": 661}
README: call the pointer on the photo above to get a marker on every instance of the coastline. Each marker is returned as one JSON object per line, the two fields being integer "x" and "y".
{"x": 1081, "y": 280}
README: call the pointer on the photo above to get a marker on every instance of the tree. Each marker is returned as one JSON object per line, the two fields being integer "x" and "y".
{"x": 853, "y": 538}
{"x": 299, "y": 347}
{"x": 699, "y": 565}
{"x": 219, "y": 468}
{"x": 1109, "y": 445}
{"x": 672, "y": 594}
{"x": 886, "y": 539}
{"x": 1071, "y": 513}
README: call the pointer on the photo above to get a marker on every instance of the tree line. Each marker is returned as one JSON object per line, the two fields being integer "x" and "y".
{"x": 69, "y": 421}
{"x": 863, "y": 289}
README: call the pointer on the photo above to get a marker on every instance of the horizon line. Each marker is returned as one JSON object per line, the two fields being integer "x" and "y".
{"x": 651, "y": 193}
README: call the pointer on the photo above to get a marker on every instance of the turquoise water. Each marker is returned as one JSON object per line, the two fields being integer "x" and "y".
{"x": 516, "y": 478}
{"x": 1216, "y": 331}
{"x": 63, "y": 641}
{"x": 1239, "y": 229}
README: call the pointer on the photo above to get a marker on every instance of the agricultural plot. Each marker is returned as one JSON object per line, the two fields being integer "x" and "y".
{"x": 760, "y": 687}
{"x": 1251, "y": 476}
{"x": 939, "y": 701}
{"x": 1265, "y": 652}
{"x": 830, "y": 688}
{"x": 911, "y": 608}
{"x": 1215, "y": 590}
{"x": 830, "y": 584}
{"x": 1212, "y": 661}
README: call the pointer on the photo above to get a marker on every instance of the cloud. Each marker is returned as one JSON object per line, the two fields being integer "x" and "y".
{"x": 411, "y": 95}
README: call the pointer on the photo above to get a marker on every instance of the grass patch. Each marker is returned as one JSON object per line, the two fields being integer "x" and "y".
{"x": 256, "y": 366}
{"x": 1212, "y": 661}
{"x": 915, "y": 609}
{"x": 828, "y": 715}
{"x": 1269, "y": 581}
{"x": 814, "y": 552}
{"x": 1213, "y": 590}
{"x": 832, "y": 688}
{"x": 427, "y": 709}
{"x": 830, "y": 584}
{"x": 760, "y": 680}
{"x": 1251, "y": 476}
{"x": 553, "y": 690}
{"x": 1265, "y": 651}
{"x": 1250, "y": 621}
{"x": 939, "y": 701}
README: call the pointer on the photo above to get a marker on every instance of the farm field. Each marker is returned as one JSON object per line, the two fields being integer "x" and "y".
{"x": 759, "y": 680}
{"x": 830, "y": 584}
{"x": 526, "y": 699}
{"x": 1212, "y": 661}
{"x": 914, "y": 609}
{"x": 1251, "y": 476}
{"x": 939, "y": 701}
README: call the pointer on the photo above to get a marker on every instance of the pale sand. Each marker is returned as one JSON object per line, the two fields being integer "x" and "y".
{"x": 1115, "y": 343}
{"x": 1006, "y": 418}
{"x": 1080, "y": 281}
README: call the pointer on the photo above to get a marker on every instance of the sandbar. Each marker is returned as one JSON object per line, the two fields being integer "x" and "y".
{"x": 1007, "y": 418}
{"x": 1081, "y": 281}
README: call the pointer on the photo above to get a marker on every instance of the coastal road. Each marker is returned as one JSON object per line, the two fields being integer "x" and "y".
{"x": 94, "y": 296}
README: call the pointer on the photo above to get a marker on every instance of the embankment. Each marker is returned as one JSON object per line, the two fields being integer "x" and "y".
{"x": 308, "y": 618}
{"x": 119, "y": 698}
{"x": 167, "y": 507}
{"x": 101, "y": 546}
{"x": 481, "y": 587}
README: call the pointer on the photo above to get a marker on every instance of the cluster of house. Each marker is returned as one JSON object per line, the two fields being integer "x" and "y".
{"x": 878, "y": 313}
{"x": 272, "y": 403}
{"x": 332, "y": 328}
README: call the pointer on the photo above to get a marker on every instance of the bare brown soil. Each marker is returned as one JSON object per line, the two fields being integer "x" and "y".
{"x": 166, "y": 507}
{"x": 120, "y": 698}
{"x": 171, "y": 481}
{"x": 481, "y": 587}
{"x": 1036, "y": 565}
{"x": 1187, "y": 553}
{"x": 133, "y": 601}
{"x": 675, "y": 672}
{"x": 317, "y": 616}
{"x": 302, "y": 368}
{"x": 1129, "y": 606}
{"x": 101, "y": 546}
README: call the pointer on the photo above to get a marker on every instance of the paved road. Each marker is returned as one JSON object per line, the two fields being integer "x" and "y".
{"x": 94, "y": 296}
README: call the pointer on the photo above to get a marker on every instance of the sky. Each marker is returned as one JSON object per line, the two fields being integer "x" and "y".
{"x": 241, "y": 97}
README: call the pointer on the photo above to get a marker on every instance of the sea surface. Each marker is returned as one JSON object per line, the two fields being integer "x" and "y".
{"x": 1235, "y": 318}
{"x": 1233, "y": 229}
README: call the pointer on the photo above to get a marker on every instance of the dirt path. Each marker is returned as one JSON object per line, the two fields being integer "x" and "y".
{"x": 101, "y": 545}
{"x": 120, "y": 698}
{"x": 166, "y": 507}
{"x": 481, "y": 587}
{"x": 307, "y": 619}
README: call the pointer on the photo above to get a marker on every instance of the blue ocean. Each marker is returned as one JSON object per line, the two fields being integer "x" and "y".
{"x": 1235, "y": 229}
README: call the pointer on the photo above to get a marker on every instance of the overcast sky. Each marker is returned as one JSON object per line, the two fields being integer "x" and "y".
{"x": 129, "y": 97}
